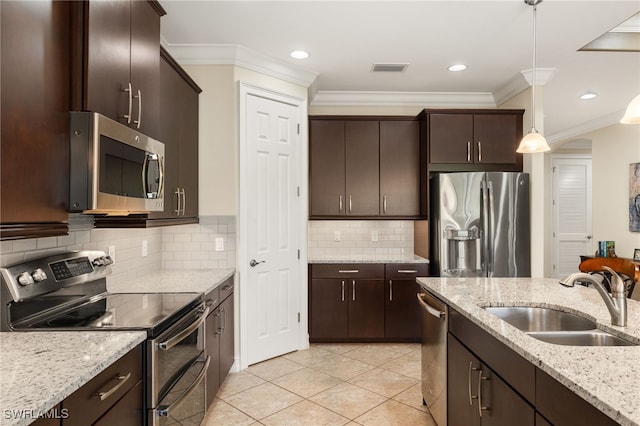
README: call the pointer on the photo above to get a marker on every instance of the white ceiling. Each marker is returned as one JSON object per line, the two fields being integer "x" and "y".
{"x": 494, "y": 38}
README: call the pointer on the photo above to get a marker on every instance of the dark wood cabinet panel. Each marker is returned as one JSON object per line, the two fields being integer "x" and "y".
{"x": 473, "y": 140}
{"x": 328, "y": 309}
{"x": 34, "y": 168}
{"x": 476, "y": 395}
{"x": 127, "y": 411}
{"x": 327, "y": 168}
{"x": 362, "y": 176}
{"x": 366, "y": 308}
{"x": 362, "y": 167}
{"x": 400, "y": 168}
{"x": 451, "y": 138}
{"x": 121, "y": 53}
{"x": 212, "y": 342}
{"x": 219, "y": 341}
{"x": 226, "y": 337}
{"x": 401, "y": 310}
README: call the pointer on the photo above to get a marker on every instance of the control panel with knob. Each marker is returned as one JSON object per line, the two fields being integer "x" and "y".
{"x": 25, "y": 278}
{"x": 39, "y": 275}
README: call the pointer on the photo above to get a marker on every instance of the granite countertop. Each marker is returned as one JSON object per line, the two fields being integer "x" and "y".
{"x": 371, "y": 259}
{"x": 40, "y": 369}
{"x": 173, "y": 281}
{"x": 606, "y": 377}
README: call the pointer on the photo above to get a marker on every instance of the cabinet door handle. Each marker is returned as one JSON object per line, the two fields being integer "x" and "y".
{"x": 343, "y": 290}
{"x": 121, "y": 381}
{"x": 468, "y": 151}
{"x": 128, "y": 115}
{"x": 479, "y": 152}
{"x": 407, "y": 271}
{"x": 384, "y": 204}
{"x": 348, "y": 271}
{"x": 354, "y": 290}
{"x": 349, "y": 204}
{"x": 139, "y": 120}
{"x": 390, "y": 290}
{"x": 480, "y": 379}
{"x": 184, "y": 201}
{"x": 471, "y": 397}
{"x": 340, "y": 205}
{"x": 177, "y": 192}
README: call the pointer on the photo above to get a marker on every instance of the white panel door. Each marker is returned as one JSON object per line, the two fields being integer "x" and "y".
{"x": 571, "y": 213}
{"x": 273, "y": 212}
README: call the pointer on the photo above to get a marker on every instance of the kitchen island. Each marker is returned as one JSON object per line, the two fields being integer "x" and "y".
{"x": 606, "y": 377}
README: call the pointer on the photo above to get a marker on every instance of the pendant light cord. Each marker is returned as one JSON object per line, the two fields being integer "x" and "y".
{"x": 533, "y": 75}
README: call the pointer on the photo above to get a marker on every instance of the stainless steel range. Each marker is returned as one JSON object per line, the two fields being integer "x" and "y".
{"x": 68, "y": 292}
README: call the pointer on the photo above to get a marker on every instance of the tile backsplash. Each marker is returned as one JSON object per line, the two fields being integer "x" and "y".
{"x": 360, "y": 239}
{"x": 170, "y": 247}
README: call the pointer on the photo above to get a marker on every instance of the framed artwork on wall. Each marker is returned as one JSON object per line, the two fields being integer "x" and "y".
{"x": 636, "y": 254}
{"x": 634, "y": 197}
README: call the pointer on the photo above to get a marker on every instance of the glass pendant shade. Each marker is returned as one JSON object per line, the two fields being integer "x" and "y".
{"x": 632, "y": 114}
{"x": 532, "y": 143}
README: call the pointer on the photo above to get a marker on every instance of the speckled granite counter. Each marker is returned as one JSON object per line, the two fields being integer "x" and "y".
{"x": 372, "y": 259}
{"x": 606, "y": 377}
{"x": 173, "y": 281}
{"x": 38, "y": 370}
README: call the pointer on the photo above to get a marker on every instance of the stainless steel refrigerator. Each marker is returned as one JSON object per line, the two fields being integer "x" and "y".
{"x": 480, "y": 224}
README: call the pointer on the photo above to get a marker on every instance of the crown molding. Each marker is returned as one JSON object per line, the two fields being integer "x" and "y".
{"x": 508, "y": 91}
{"x": 543, "y": 75}
{"x": 229, "y": 54}
{"x": 589, "y": 126}
{"x": 423, "y": 99}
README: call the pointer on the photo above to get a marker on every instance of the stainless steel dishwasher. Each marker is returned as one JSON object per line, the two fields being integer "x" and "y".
{"x": 434, "y": 356}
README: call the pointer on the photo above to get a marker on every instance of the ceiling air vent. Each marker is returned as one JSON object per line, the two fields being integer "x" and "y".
{"x": 389, "y": 67}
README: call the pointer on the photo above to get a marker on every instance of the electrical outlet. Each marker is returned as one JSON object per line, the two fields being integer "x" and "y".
{"x": 374, "y": 235}
{"x": 145, "y": 248}
{"x": 112, "y": 252}
{"x": 219, "y": 244}
{"x": 336, "y": 235}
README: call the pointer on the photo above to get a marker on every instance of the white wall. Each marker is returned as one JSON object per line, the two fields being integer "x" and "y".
{"x": 614, "y": 148}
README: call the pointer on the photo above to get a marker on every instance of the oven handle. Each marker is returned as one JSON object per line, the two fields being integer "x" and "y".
{"x": 166, "y": 411}
{"x": 169, "y": 343}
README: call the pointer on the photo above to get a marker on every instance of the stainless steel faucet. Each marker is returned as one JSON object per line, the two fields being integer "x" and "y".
{"x": 616, "y": 302}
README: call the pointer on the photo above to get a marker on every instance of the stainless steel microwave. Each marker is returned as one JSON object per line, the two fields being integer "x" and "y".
{"x": 114, "y": 169}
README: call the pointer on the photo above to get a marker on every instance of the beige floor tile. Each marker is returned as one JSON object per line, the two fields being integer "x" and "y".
{"x": 383, "y": 382}
{"x": 305, "y": 413}
{"x": 409, "y": 364}
{"x": 221, "y": 413}
{"x": 262, "y": 401}
{"x": 274, "y": 368}
{"x": 339, "y": 348}
{"x": 307, "y": 382}
{"x": 348, "y": 400}
{"x": 412, "y": 397}
{"x": 374, "y": 354}
{"x": 402, "y": 347}
{"x": 311, "y": 356}
{"x": 393, "y": 413}
{"x": 238, "y": 382}
{"x": 342, "y": 367}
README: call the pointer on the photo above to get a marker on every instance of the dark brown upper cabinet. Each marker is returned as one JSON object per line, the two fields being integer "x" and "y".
{"x": 34, "y": 149}
{"x": 473, "y": 140}
{"x": 363, "y": 167}
{"x": 118, "y": 63}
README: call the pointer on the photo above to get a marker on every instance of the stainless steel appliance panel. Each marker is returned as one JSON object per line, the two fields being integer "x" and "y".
{"x": 434, "y": 356}
{"x": 508, "y": 233}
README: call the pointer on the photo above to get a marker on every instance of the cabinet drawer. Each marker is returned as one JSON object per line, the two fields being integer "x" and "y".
{"x": 512, "y": 367}
{"x": 85, "y": 405}
{"x": 347, "y": 270}
{"x": 226, "y": 289}
{"x": 406, "y": 270}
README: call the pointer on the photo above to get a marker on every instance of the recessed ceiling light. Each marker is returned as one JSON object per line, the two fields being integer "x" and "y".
{"x": 588, "y": 95}
{"x": 457, "y": 67}
{"x": 299, "y": 54}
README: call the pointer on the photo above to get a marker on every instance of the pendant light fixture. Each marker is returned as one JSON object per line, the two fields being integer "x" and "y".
{"x": 534, "y": 141}
{"x": 632, "y": 114}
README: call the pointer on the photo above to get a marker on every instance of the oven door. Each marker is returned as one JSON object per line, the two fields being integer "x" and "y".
{"x": 176, "y": 367}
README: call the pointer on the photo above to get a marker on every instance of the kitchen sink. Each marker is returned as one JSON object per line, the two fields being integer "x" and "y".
{"x": 541, "y": 319}
{"x": 580, "y": 338}
{"x": 557, "y": 327}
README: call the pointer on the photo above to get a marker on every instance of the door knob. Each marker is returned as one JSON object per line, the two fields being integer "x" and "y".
{"x": 589, "y": 237}
{"x": 253, "y": 263}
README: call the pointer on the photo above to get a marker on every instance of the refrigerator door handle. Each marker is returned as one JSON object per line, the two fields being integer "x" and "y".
{"x": 492, "y": 232}
{"x": 486, "y": 234}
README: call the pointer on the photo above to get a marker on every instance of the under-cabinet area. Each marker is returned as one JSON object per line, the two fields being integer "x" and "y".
{"x": 364, "y": 302}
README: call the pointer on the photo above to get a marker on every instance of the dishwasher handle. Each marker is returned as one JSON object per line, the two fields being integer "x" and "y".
{"x": 430, "y": 309}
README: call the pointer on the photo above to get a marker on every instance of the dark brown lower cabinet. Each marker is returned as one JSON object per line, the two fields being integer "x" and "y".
{"x": 51, "y": 418}
{"x": 366, "y": 308}
{"x": 401, "y": 310}
{"x": 127, "y": 411}
{"x": 329, "y": 309}
{"x": 219, "y": 340}
{"x": 478, "y": 396}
